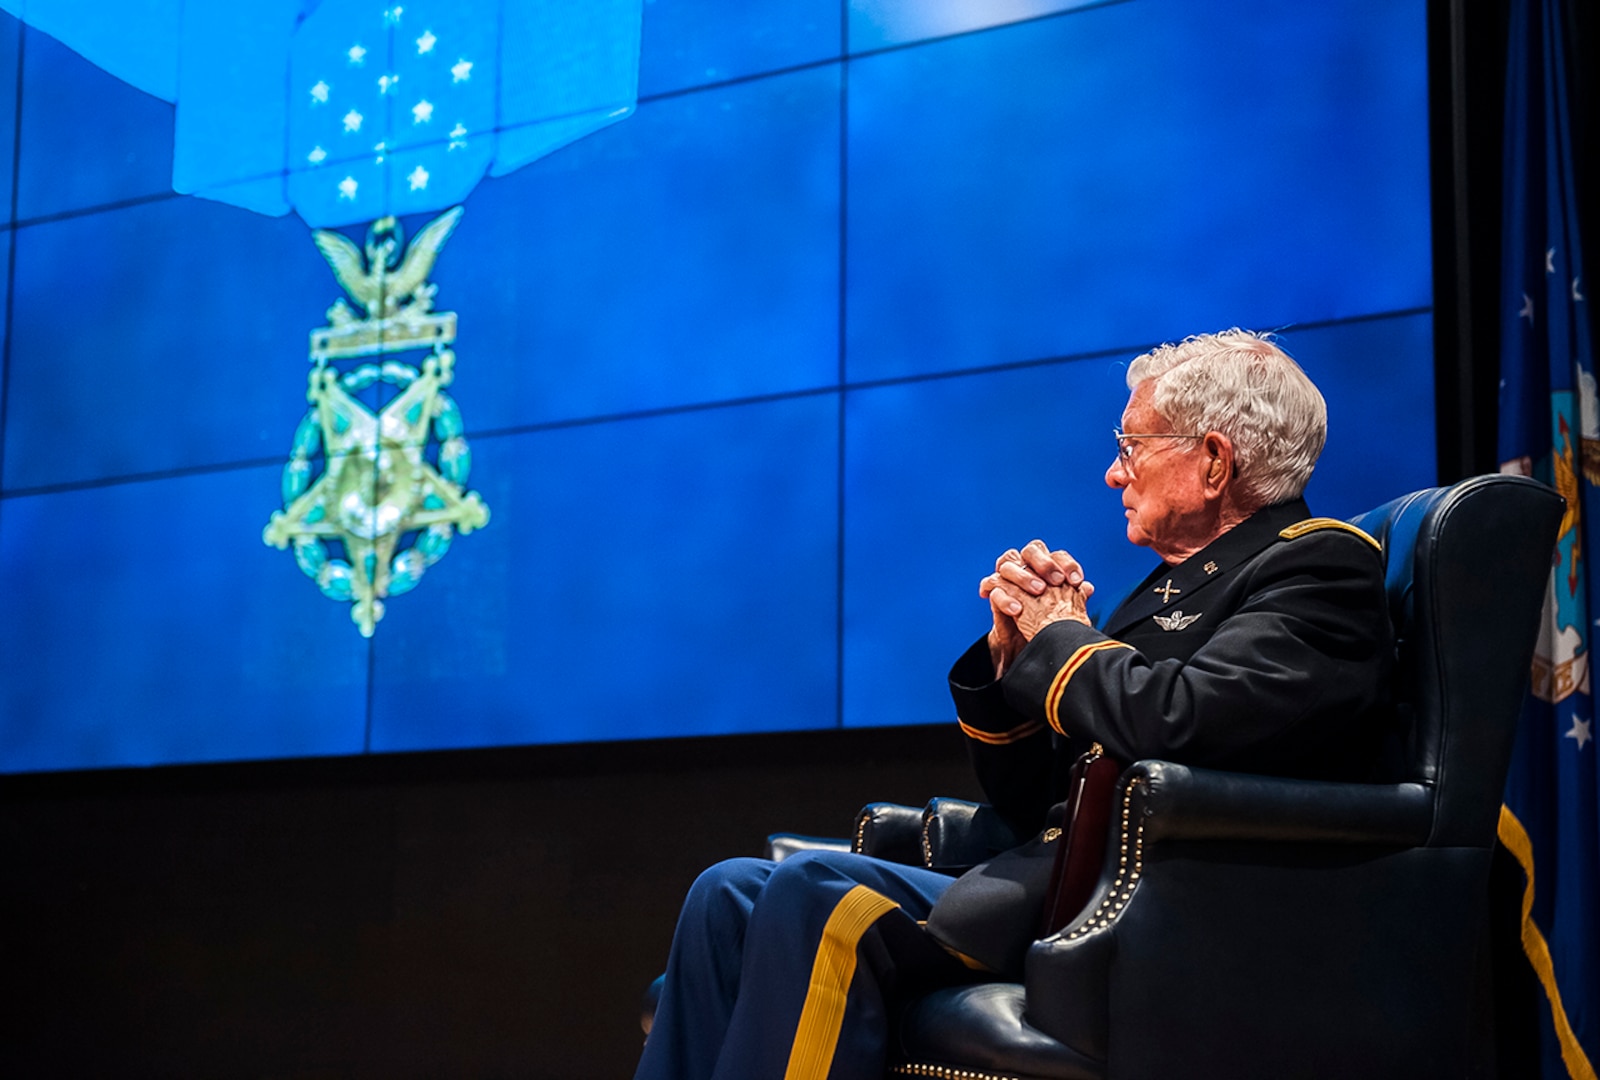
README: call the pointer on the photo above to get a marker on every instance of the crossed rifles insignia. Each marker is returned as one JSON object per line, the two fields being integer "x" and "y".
{"x": 1177, "y": 620}
{"x": 372, "y": 498}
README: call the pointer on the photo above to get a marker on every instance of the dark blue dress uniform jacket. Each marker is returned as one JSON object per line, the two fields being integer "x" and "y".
{"x": 1270, "y": 651}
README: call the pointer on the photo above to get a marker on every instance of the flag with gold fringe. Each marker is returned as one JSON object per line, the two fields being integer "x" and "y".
{"x": 1550, "y": 428}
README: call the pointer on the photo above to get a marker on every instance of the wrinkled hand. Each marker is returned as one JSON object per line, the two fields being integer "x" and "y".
{"x": 1029, "y": 590}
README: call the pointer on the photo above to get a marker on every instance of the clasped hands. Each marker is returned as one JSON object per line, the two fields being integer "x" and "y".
{"x": 1029, "y": 590}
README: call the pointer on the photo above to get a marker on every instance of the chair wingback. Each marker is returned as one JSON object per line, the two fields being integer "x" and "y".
{"x": 1467, "y": 573}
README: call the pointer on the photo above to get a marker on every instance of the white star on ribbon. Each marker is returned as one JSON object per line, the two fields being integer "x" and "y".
{"x": 1527, "y": 309}
{"x": 1580, "y": 731}
{"x": 352, "y": 121}
{"x": 347, "y": 188}
{"x": 382, "y": 150}
{"x": 357, "y": 55}
{"x": 462, "y": 71}
{"x": 426, "y": 42}
{"x": 1550, "y": 260}
{"x": 422, "y": 112}
{"x": 317, "y": 155}
{"x": 392, "y": 15}
{"x": 387, "y": 82}
{"x": 418, "y": 178}
{"x": 458, "y": 137}
{"x": 319, "y": 93}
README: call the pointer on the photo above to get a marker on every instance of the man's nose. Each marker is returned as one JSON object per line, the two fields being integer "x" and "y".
{"x": 1117, "y": 474}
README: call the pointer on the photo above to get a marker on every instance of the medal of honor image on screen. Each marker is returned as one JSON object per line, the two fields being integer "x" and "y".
{"x": 387, "y": 377}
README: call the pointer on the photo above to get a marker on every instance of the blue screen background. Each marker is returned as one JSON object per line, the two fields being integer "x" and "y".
{"x": 760, "y": 368}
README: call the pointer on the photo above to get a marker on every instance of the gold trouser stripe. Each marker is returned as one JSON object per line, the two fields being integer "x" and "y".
{"x": 817, "y": 1037}
{"x": 1052, "y": 699}
{"x": 1016, "y": 734}
{"x": 1311, "y": 525}
{"x": 1515, "y": 838}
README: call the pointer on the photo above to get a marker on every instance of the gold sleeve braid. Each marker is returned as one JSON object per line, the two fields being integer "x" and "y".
{"x": 1058, "y": 686}
{"x": 1001, "y": 738}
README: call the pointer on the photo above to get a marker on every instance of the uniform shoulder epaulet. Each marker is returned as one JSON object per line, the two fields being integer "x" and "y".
{"x": 1318, "y": 524}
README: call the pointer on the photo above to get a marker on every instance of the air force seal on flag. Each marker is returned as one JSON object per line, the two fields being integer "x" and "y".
{"x": 1561, "y": 657}
{"x": 374, "y": 498}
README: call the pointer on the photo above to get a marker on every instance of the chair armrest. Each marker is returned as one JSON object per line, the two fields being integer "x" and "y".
{"x": 958, "y": 834}
{"x": 947, "y": 834}
{"x": 889, "y": 831}
{"x": 1177, "y": 802}
{"x": 1069, "y": 973}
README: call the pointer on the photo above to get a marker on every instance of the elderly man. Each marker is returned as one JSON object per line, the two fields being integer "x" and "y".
{"x": 1260, "y": 643}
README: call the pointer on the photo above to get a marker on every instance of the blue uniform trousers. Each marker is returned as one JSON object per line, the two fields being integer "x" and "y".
{"x": 787, "y": 971}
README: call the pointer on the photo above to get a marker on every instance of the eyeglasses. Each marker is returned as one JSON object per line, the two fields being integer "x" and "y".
{"x": 1126, "y": 440}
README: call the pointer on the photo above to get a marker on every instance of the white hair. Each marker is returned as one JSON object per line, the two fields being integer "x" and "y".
{"x": 1242, "y": 385}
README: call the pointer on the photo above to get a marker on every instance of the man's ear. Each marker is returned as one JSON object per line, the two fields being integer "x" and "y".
{"x": 1220, "y": 468}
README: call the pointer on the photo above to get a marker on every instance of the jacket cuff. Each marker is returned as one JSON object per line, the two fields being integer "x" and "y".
{"x": 980, "y": 700}
{"x": 1047, "y": 663}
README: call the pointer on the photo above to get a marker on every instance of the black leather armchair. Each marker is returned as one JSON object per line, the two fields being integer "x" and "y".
{"x": 1249, "y": 926}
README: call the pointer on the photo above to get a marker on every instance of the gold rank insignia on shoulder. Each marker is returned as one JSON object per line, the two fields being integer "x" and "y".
{"x": 371, "y": 499}
{"x": 1177, "y": 620}
{"x": 1210, "y": 568}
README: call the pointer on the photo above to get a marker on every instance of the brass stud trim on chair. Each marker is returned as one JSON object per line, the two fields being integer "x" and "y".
{"x": 1104, "y": 916}
{"x": 1122, "y": 887}
{"x": 861, "y": 833}
{"x": 945, "y": 1072}
{"x": 927, "y": 843}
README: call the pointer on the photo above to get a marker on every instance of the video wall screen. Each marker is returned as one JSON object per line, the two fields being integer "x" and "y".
{"x": 387, "y": 376}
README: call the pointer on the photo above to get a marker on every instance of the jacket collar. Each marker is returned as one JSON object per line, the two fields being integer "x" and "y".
{"x": 1178, "y": 587}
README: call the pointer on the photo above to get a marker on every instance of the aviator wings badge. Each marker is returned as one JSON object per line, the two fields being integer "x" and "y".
{"x": 1176, "y": 621}
{"x": 371, "y": 499}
